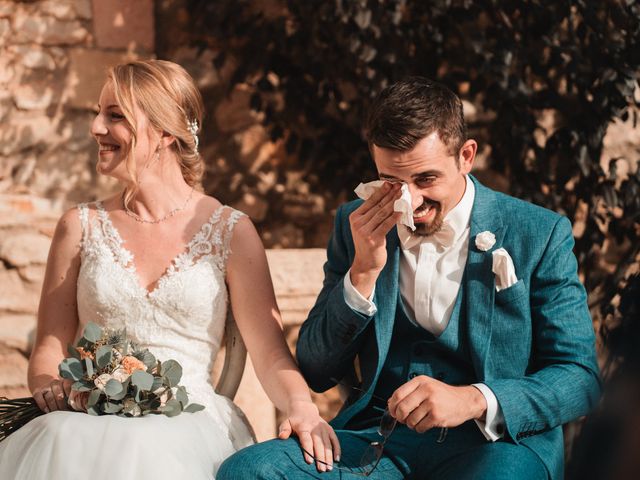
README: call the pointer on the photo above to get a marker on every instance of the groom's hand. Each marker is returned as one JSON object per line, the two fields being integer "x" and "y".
{"x": 370, "y": 223}
{"x": 424, "y": 403}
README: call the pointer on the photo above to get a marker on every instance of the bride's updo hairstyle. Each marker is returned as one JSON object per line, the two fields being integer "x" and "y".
{"x": 168, "y": 96}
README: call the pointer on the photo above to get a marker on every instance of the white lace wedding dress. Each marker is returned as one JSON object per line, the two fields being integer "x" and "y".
{"x": 183, "y": 318}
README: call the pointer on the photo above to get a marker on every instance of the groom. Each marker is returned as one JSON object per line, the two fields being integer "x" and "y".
{"x": 471, "y": 332}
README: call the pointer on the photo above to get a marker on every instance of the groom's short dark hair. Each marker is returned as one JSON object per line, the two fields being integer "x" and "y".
{"x": 407, "y": 111}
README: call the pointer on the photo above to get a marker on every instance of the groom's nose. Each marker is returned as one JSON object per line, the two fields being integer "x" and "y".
{"x": 416, "y": 196}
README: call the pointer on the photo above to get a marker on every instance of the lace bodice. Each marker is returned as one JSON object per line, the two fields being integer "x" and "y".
{"x": 183, "y": 317}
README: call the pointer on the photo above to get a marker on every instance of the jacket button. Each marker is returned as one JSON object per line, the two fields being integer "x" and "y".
{"x": 413, "y": 375}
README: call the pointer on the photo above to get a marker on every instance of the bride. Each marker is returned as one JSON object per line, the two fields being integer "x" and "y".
{"x": 163, "y": 260}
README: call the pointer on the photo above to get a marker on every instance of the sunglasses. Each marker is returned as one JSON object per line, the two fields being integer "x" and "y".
{"x": 373, "y": 453}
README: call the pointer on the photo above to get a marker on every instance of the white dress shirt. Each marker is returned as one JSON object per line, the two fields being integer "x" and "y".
{"x": 431, "y": 270}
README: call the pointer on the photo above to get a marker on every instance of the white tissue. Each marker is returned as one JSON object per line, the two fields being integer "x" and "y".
{"x": 504, "y": 269}
{"x": 403, "y": 204}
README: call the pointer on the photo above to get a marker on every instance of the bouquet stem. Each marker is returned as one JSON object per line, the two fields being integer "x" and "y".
{"x": 15, "y": 413}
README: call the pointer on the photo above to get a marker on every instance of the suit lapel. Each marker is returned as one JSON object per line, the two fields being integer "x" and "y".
{"x": 387, "y": 298}
{"x": 479, "y": 278}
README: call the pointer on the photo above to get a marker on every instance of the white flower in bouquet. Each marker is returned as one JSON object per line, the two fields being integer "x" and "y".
{"x": 120, "y": 374}
{"x": 102, "y": 380}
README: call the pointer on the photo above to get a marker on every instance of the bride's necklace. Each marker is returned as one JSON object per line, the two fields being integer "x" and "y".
{"x": 170, "y": 214}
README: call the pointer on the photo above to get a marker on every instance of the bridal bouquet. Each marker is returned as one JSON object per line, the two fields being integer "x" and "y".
{"x": 112, "y": 376}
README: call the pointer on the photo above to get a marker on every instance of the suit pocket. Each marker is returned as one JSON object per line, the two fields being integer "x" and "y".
{"x": 511, "y": 294}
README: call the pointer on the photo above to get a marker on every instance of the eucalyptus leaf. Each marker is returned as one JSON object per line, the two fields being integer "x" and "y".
{"x": 113, "y": 387}
{"x": 92, "y": 332}
{"x": 181, "y": 396}
{"x": 104, "y": 355}
{"x": 148, "y": 359}
{"x": 88, "y": 367}
{"x": 73, "y": 351}
{"x": 93, "y": 410}
{"x": 123, "y": 392}
{"x": 111, "y": 408}
{"x": 193, "y": 407}
{"x": 94, "y": 397}
{"x": 172, "y": 408}
{"x": 142, "y": 380}
{"x": 157, "y": 383}
{"x": 71, "y": 368}
{"x": 172, "y": 372}
{"x": 82, "y": 386}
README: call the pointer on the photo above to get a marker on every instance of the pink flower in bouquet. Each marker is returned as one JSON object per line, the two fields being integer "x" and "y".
{"x": 78, "y": 400}
{"x": 131, "y": 364}
{"x": 84, "y": 354}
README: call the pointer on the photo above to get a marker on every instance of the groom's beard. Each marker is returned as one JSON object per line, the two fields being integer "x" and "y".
{"x": 426, "y": 229}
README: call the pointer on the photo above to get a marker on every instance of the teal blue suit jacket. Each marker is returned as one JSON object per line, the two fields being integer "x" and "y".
{"x": 533, "y": 343}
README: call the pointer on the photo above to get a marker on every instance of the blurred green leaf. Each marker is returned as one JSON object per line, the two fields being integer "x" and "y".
{"x": 103, "y": 356}
{"x": 193, "y": 407}
{"x": 71, "y": 368}
{"x": 171, "y": 371}
{"x": 142, "y": 380}
{"x": 113, "y": 387}
{"x": 88, "y": 366}
{"x": 92, "y": 332}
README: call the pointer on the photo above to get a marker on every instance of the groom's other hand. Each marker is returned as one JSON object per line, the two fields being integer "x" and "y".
{"x": 370, "y": 223}
{"x": 424, "y": 403}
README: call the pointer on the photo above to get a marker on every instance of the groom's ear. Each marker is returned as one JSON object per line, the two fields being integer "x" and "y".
{"x": 467, "y": 155}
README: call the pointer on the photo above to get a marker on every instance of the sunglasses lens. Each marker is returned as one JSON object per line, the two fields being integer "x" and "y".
{"x": 371, "y": 457}
{"x": 387, "y": 424}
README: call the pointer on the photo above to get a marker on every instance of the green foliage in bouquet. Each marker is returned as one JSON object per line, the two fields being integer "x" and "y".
{"x": 122, "y": 379}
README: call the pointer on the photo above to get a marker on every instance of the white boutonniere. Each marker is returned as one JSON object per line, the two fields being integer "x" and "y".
{"x": 485, "y": 240}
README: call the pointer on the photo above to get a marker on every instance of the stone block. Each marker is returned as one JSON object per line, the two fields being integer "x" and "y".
{"x": 123, "y": 24}
{"x": 21, "y": 210}
{"x": 76, "y": 131}
{"x": 87, "y": 74}
{"x": 47, "y": 30}
{"x": 60, "y": 9}
{"x": 5, "y": 28}
{"x": 18, "y": 331}
{"x": 6, "y": 104}
{"x": 26, "y": 129}
{"x": 32, "y": 56}
{"x": 7, "y": 8}
{"x": 18, "y": 296}
{"x": 297, "y": 272}
{"x": 83, "y": 8}
{"x": 33, "y": 273}
{"x": 25, "y": 248}
{"x": 14, "y": 367}
{"x": 7, "y": 70}
{"x": 31, "y": 96}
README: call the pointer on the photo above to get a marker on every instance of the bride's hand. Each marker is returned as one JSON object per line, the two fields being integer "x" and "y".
{"x": 53, "y": 396}
{"x": 316, "y": 435}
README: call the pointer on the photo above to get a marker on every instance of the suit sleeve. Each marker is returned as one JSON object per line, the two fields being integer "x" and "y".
{"x": 562, "y": 381}
{"x": 331, "y": 336}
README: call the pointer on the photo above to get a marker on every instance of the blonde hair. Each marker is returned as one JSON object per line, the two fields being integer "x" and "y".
{"x": 168, "y": 96}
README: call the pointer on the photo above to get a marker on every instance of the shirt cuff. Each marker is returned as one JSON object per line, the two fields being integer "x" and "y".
{"x": 354, "y": 299}
{"x": 493, "y": 425}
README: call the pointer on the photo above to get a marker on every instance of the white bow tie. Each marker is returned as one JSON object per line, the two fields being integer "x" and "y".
{"x": 443, "y": 237}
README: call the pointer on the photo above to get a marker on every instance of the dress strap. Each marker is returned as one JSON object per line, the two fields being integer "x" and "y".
{"x": 83, "y": 214}
{"x": 227, "y": 232}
